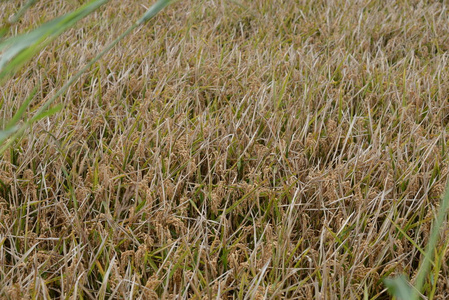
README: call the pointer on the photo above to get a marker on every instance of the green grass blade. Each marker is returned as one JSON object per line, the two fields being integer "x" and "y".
{"x": 18, "y": 50}
{"x": 21, "y": 111}
{"x": 433, "y": 240}
{"x": 12, "y": 127}
{"x": 399, "y": 287}
{"x": 46, "y": 113}
{"x": 154, "y": 10}
{"x": 6, "y": 133}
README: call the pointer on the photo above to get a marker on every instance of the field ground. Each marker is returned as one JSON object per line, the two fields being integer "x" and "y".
{"x": 254, "y": 150}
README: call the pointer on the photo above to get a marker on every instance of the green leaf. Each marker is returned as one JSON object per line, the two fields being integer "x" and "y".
{"x": 399, "y": 287}
{"x": 16, "y": 51}
{"x": 46, "y": 113}
{"x": 6, "y": 133}
{"x": 154, "y": 10}
{"x": 18, "y": 115}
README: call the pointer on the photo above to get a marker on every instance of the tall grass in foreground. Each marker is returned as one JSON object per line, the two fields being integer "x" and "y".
{"x": 18, "y": 50}
{"x": 399, "y": 286}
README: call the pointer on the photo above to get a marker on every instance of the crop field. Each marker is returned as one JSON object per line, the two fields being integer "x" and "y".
{"x": 281, "y": 149}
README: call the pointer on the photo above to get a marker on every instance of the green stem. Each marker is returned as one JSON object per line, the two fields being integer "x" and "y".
{"x": 435, "y": 232}
{"x": 149, "y": 14}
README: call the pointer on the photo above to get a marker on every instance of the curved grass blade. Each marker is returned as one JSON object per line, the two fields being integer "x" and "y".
{"x": 12, "y": 126}
{"x": 154, "y": 10}
{"x": 18, "y": 50}
{"x": 151, "y": 12}
{"x": 399, "y": 287}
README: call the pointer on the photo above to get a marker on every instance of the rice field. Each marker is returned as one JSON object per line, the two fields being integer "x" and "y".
{"x": 282, "y": 149}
